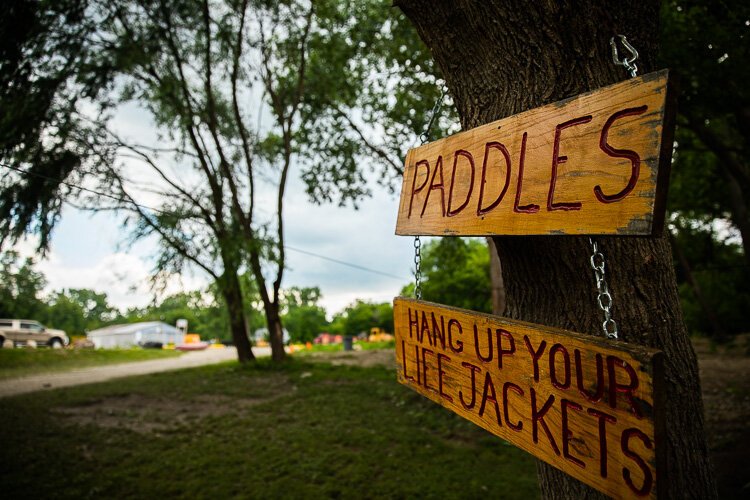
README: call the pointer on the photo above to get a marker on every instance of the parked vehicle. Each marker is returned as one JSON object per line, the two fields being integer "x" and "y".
{"x": 21, "y": 331}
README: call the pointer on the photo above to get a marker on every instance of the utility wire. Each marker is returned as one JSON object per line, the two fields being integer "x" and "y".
{"x": 130, "y": 202}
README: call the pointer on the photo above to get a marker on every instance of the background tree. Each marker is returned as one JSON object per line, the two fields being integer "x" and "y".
{"x": 501, "y": 58}
{"x": 707, "y": 42}
{"x": 456, "y": 272}
{"x": 304, "y": 318}
{"x": 20, "y": 287}
{"x": 47, "y": 70}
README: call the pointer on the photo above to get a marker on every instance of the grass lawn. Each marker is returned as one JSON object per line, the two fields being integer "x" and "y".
{"x": 20, "y": 362}
{"x": 363, "y": 346}
{"x": 302, "y": 430}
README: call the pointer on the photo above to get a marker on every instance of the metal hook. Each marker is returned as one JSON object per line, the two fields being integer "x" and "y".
{"x": 627, "y": 62}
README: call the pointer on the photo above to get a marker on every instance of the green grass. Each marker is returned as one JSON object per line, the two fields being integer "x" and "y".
{"x": 365, "y": 346}
{"x": 302, "y": 430}
{"x": 20, "y": 362}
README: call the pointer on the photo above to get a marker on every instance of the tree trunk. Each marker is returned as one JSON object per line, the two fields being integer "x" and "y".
{"x": 275, "y": 331}
{"x": 496, "y": 279}
{"x": 503, "y": 57}
{"x": 738, "y": 205}
{"x": 230, "y": 288}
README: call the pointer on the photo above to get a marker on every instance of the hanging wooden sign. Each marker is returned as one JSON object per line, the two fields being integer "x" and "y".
{"x": 583, "y": 404}
{"x": 597, "y": 163}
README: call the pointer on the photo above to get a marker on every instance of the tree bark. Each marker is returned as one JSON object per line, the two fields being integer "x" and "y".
{"x": 275, "y": 331}
{"x": 237, "y": 321}
{"x": 496, "y": 279}
{"x": 503, "y": 57}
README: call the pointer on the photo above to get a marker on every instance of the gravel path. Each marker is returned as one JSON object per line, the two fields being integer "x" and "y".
{"x": 22, "y": 385}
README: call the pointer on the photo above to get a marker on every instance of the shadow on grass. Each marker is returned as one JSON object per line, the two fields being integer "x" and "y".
{"x": 298, "y": 430}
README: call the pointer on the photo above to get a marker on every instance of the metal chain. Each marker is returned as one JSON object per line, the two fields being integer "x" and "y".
{"x": 417, "y": 268}
{"x": 423, "y": 138}
{"x": 604, "y": 297}
{"x": 627, "y": 62}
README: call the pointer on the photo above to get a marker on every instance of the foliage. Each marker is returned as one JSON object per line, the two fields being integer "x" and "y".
{"x": 708, "y": 45}
{"x": 21, "y": 362}
{"x": 456, "y": 272}
{"x": 307, "y": 431}
{"x": 20, "y": 287}
{"x": 361, "y": 316}
{"x": 304, "y": 317}
{"x": 719, "y": 270}
{"x": 48, "y": 69}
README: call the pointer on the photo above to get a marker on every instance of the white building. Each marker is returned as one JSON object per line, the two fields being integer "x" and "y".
{"x": 135, "y": 334}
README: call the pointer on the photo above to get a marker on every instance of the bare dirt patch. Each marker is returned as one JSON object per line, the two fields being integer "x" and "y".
{"x": 725, "y": 382}
{"x": 365, "y": 358}
{"x": 158, "y": 414}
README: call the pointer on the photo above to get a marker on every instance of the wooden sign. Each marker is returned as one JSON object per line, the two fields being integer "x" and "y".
{"x": 594, "y": 164}
{"x": 583, "y": 404}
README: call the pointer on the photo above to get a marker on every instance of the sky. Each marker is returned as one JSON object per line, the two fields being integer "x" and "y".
{"x": 88, "y": 251}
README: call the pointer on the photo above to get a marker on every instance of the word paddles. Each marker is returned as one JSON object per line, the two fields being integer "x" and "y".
{"x": 583, "y": 404}
{"x": 594, "y": 164}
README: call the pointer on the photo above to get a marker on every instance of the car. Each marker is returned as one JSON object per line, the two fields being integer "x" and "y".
{"x": 21, "y": 331}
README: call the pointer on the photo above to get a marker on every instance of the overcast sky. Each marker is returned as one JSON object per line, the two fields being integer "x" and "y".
{"x": 87, "y": 252}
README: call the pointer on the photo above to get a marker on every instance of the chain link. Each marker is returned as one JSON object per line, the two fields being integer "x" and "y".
{"x": 604, "y": 297}
{"x": 417, "y": 268}
{"x": 423, "y": 138}
{"x": 627, "y": 62}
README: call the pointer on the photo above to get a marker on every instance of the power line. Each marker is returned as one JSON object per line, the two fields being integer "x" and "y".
{"x": 343, "y": 263}
{"x": 131, "y": 202}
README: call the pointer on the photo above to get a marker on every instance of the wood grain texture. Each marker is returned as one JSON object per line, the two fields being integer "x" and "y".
{"x": 582, "y": 404}
{"x": 597, "y": 163}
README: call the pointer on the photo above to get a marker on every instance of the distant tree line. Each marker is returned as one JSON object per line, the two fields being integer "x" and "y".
{"x": 78, "y": 310}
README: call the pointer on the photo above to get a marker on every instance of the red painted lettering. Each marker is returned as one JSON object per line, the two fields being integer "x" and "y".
{"x": 566, "y": 432}
{"x": 535, "y": 355}
{"x": 500, "y": 147}
{"x": 468, "y": 156}
{"x": 635, "y": 159}
{"x": 537, "y": 419}
{"x": 474, "y": 370}
{"x": 597, "y": 396}
{"x": 433, "y": 186}
{"x": 504, "y": 352}
{"x": 626, "y": 389}
{"x": 440, "y": 358}
{"x": 438, "y": 332}
{"x": 565, "y": 384}
{"x": 648, "y": 478}
{"x": 557, "y": 159}
{"x": 414, "y": 189}
{"x": 525, "y": 209}
{"x": 508, "y": 386}
{"x": 425, "y": 352}
{"x": 603, "y": 419}
{"x": 403, "y": 360}
{"x": 489, "y": 394}
{"x": 459, "y": 345}
{"x": 489, "y": 356}
{"x": 414, "y": 323}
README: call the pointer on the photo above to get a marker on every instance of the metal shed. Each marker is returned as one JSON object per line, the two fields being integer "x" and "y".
{"x": 134, "y": 334}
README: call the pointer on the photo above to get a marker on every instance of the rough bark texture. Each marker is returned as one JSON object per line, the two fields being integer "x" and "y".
{"x": 275, "y": 332}
{"x": 237, "y": 321}
{"x": 496, "y": 279}
{"x": 503, "y": 57}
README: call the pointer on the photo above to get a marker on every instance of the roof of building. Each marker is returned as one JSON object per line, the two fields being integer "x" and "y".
{"x": 132, "y": 328}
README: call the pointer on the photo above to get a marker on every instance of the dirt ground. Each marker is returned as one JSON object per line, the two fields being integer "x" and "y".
{"x": 725, "y": 381}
